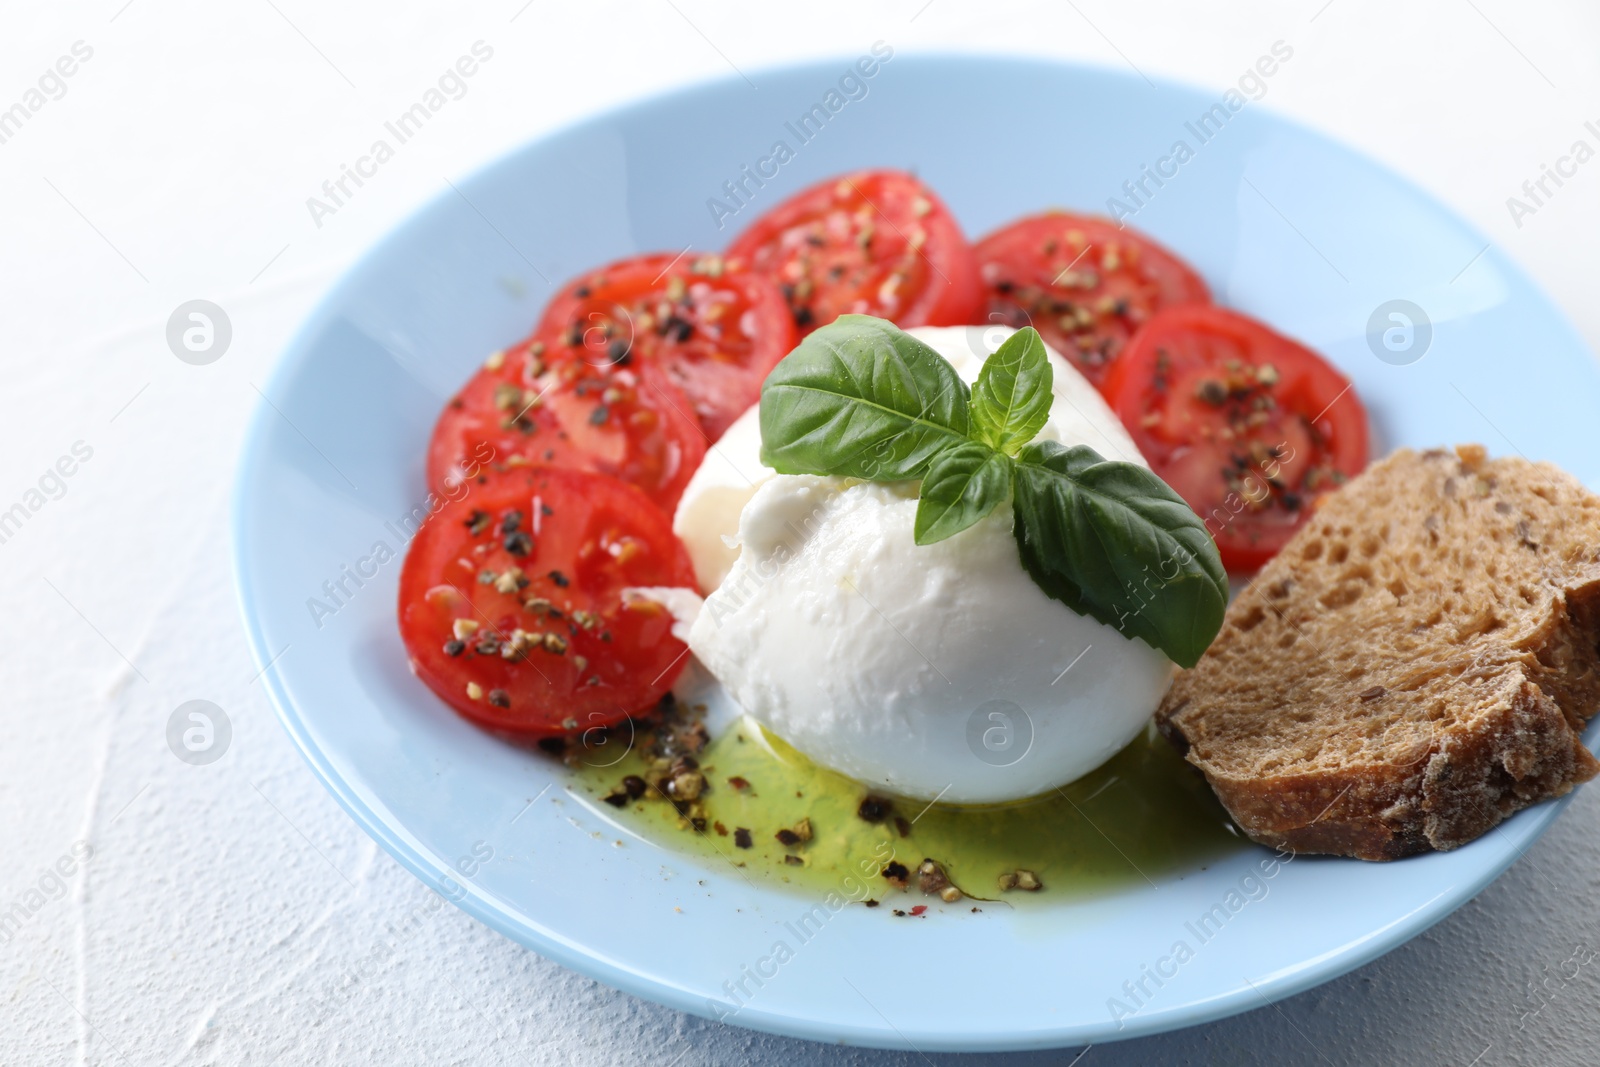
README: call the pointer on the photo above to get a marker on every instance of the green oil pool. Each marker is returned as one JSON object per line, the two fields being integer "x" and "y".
{"x": 1144, "y": 814}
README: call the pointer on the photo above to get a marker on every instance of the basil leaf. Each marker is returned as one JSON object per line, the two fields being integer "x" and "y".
{"x": 1113, "y": 541}
{"x": 965, "y": 483}
{"x": 1011, "y": 401}
{"x": 860, "y": 399}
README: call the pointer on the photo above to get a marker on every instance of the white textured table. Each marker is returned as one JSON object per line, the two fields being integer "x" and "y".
{"x": 225, "y": 907}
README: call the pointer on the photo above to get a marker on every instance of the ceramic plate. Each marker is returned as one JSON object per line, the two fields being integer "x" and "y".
{"x": 1284, "y": 224}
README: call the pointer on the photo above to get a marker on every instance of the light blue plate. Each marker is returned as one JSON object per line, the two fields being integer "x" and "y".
{"x": 1283, "y": 223}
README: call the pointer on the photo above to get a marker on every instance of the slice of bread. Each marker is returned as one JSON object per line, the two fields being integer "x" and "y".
{"x": 1412, "y": 668}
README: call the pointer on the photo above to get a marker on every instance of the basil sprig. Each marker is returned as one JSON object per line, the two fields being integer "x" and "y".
{"x": 861, "y": 399}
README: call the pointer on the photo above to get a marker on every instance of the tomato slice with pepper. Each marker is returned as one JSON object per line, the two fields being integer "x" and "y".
{"x": 525, "y": 408}
{"x": 876, "y": 242}
{"x": 1083, "y": 283}
{"x": 512, "y": 606}
{"x": 715, "y": 331}
{"x": 1245, "y": 424}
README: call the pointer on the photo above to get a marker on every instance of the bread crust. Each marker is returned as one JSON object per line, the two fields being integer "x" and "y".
{"x": 1414, "y": 666}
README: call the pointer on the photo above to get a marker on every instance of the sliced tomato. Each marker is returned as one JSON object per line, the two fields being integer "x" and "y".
{"x": 714, "y": 330}
{"x": 876, "y": 242}
{"x": 512, "y": 607}
{"x": 1083, "y": 283}
{"x": 526, "y": 408}
{"x": 1245, "y": 424}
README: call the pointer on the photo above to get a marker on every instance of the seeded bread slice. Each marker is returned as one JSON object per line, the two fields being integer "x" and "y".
{"x": 1412, "y": 668}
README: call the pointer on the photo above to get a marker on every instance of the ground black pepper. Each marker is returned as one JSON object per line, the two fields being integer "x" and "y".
{"x": 874, "y": 809}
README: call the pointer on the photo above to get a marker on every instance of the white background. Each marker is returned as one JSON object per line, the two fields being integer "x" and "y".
{"x": 222, "y": 899}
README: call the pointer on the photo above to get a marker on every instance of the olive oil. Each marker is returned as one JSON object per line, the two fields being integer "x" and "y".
{"x": 1144, "y": 815}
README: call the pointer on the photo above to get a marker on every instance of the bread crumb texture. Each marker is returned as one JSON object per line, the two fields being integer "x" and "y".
{"x": 1415, "y": 665}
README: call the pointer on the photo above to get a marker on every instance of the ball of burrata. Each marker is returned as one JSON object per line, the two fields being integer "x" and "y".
{"x": 928, "y": 671}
